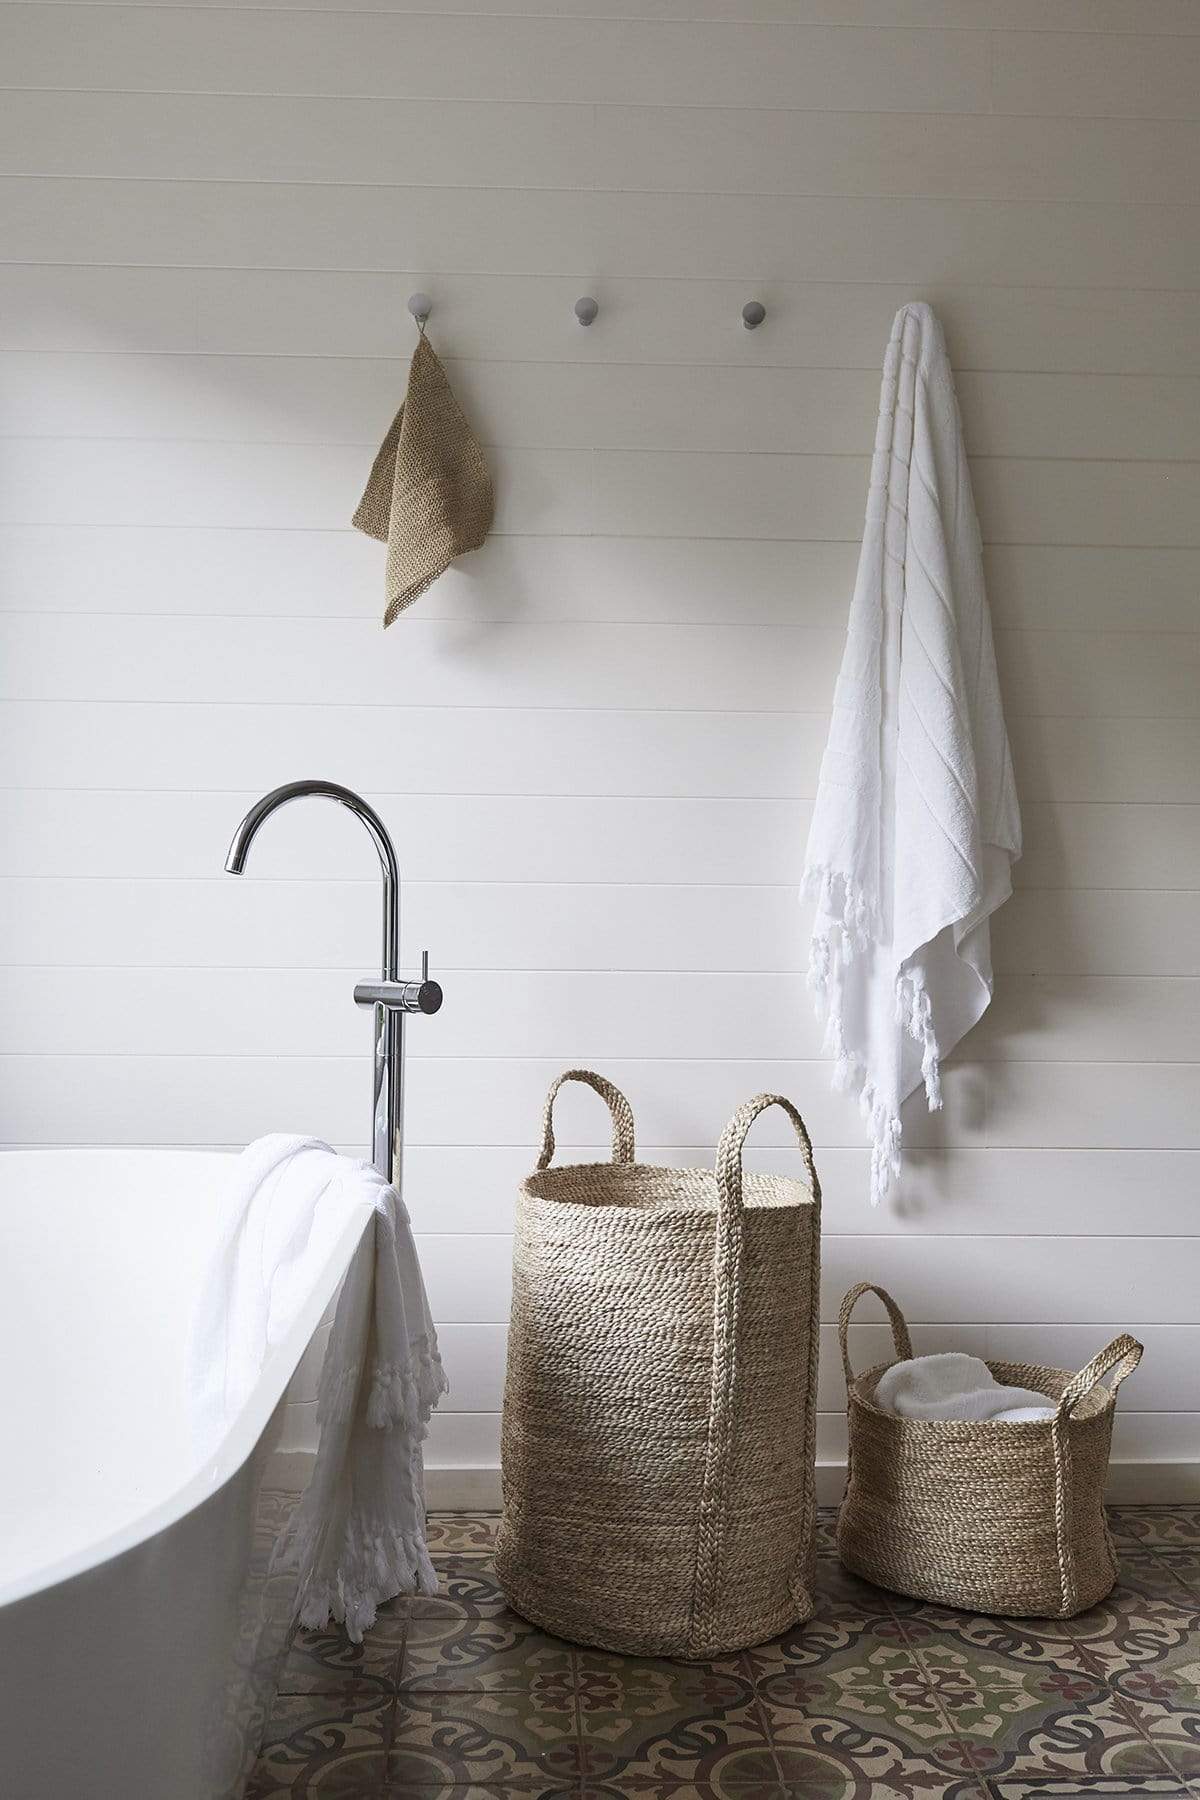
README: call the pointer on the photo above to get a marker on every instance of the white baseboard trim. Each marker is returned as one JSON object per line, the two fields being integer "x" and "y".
{"x": 462, "y": 1490}
{"x": 1154, "y": 1483}
{"x": 477, "y": 1489}
{"x": 1162, "y": 1483}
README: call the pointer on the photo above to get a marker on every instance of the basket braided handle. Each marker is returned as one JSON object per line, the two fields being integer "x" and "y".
{"x": 727, "y": 1286}
{"x": 900, "y": 1337}
{"x": 1123, "y": 1356}
{"x": 614, "y": 1099}
{"x": 729, "y": 1150}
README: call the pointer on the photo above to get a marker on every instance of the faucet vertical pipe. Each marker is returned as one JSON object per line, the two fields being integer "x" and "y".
{"x": 387, "y": 1122}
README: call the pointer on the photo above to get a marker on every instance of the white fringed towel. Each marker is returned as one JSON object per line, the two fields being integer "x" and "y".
{"x": 358, "y": 1536}
{"x": 952, "y": 1385}
{"x": 916, "y": 822}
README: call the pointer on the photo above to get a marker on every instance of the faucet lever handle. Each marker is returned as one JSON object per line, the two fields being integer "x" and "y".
{"x": 402, "y": 996}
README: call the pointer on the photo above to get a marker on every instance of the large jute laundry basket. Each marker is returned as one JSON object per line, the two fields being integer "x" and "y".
{"x": 659, "y": 1415}
{"x": 993, "y": 1516}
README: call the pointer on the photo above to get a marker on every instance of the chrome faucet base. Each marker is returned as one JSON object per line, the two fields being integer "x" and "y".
{"x": 391, "y": 996}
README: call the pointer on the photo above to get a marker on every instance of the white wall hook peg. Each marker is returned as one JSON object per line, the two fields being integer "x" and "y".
{"x": 420, "y": 306}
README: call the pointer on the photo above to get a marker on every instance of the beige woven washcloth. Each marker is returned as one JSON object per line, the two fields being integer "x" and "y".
{"x": 429, "y": 494}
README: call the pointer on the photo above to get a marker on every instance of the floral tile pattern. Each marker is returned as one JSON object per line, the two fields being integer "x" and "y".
{"x": 877, "y": 1697}
{"x": 497, "y": 1652}
{"x": 514, "y": 1740}
{"x": 1157, "y": 1526}
{"x": 323, "y": 1744}
{"x": 468, "y": 1586}
{"x": 326, "y": 1662}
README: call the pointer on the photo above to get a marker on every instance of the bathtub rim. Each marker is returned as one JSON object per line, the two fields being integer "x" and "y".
{"x": 243, "y": 1435}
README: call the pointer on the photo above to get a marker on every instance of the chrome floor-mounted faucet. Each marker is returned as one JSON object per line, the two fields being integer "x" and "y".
{"x": 390, "y": 996}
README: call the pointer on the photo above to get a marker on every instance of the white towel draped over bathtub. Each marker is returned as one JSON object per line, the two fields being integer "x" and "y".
{"x": 916, "y": 822}
{"x": 358, "y": 1536}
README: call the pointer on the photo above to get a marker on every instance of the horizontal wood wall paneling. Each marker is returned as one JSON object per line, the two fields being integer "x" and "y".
{"x": 294, "y": 487}
{"x": 1038, "y": 414}
{"x": 466, "y": 838}
{"x": 1064, "y": 502}
{"x": 447, "y": 664}
{"x": 229, "y": 1100}
{"x": 1097, "y": 845}
{"x": 561, "y": 405}
{"x": 857, "y": 153}
{"x": 519, "y": 924}
{"x": 815, "y": 323}
{"x": 92, "y": 839}
{"x": 526, "y": 1014}
{"x": 260, "y": 137}
{"x": 560, "y": 231}
{"x": 1165, "y": 1380}
{"x": 213, "y": 216}
{"x": 474, "y": 1357}
{"x": 246, "y": 749}
{"x": 436, "y": 751}
{"x": 952, "y": 1192}
{"x": 1102, "y": 1106}
{"x": 1159, "y": 16}
{"x": 566, "y": 1015}
{"x": 460, "y": 1441}
{"x": 1085, "y": 587}
{"x": 469, "y": 1188}
{"x": 338, "y": 574}
{"x": 706, "y": 668}
{"x": 1088, "y": 1018}
{"x": 1114, "y": 759}
{"x": 577, "y": 406}
{"x": 1014, "y": 1105}
{"x": 1061, "y": 1280}
{"x": 690, "y": 148}
{"x": 1104, "y": 673}
{"x": 1098, "y": 74}
{"x": 226, "y": 1101}
{"x": 1068, "y": 931}
{"x": 472, "y": 925}
{"x": 450, "y": 56}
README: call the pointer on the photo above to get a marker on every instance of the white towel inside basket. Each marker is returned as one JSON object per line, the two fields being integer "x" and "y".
{"x": 953, "y": 1385}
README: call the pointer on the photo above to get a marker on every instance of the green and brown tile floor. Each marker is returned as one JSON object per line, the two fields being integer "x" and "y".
{"x": 876, "y": 1697}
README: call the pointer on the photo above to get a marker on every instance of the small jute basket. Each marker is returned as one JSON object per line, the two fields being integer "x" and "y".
{"x": 989, "y": 1515}
{"x": 659, "y": 1417}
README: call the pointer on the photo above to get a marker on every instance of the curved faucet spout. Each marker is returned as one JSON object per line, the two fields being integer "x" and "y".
{"x": 390, "y": 997}
{"x": 244, "y": 836}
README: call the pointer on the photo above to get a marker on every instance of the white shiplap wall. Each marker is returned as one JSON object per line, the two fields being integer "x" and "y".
{"x": 597, "y": 741}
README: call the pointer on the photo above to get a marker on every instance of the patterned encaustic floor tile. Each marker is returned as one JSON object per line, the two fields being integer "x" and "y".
{"x": 1157, "y": 1526}
{"x": 466, "y": 1654}
{"x": 324, "y": 1744}
{"x": 326, "y": 1662}
{"x": 877, "y": 1697}
{"x": 467, "y": 1587}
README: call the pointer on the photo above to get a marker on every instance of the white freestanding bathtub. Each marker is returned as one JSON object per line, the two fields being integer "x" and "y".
{"x": 140, "y": 1626}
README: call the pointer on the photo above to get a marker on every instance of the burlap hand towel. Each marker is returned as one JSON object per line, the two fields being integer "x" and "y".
{"x": 429, "y": 495}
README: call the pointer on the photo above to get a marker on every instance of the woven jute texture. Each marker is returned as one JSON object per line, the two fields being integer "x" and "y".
{"x": 990, "y": 1516}
{"x": 429, "y": 494}
{"x": 659, "y": 1417}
